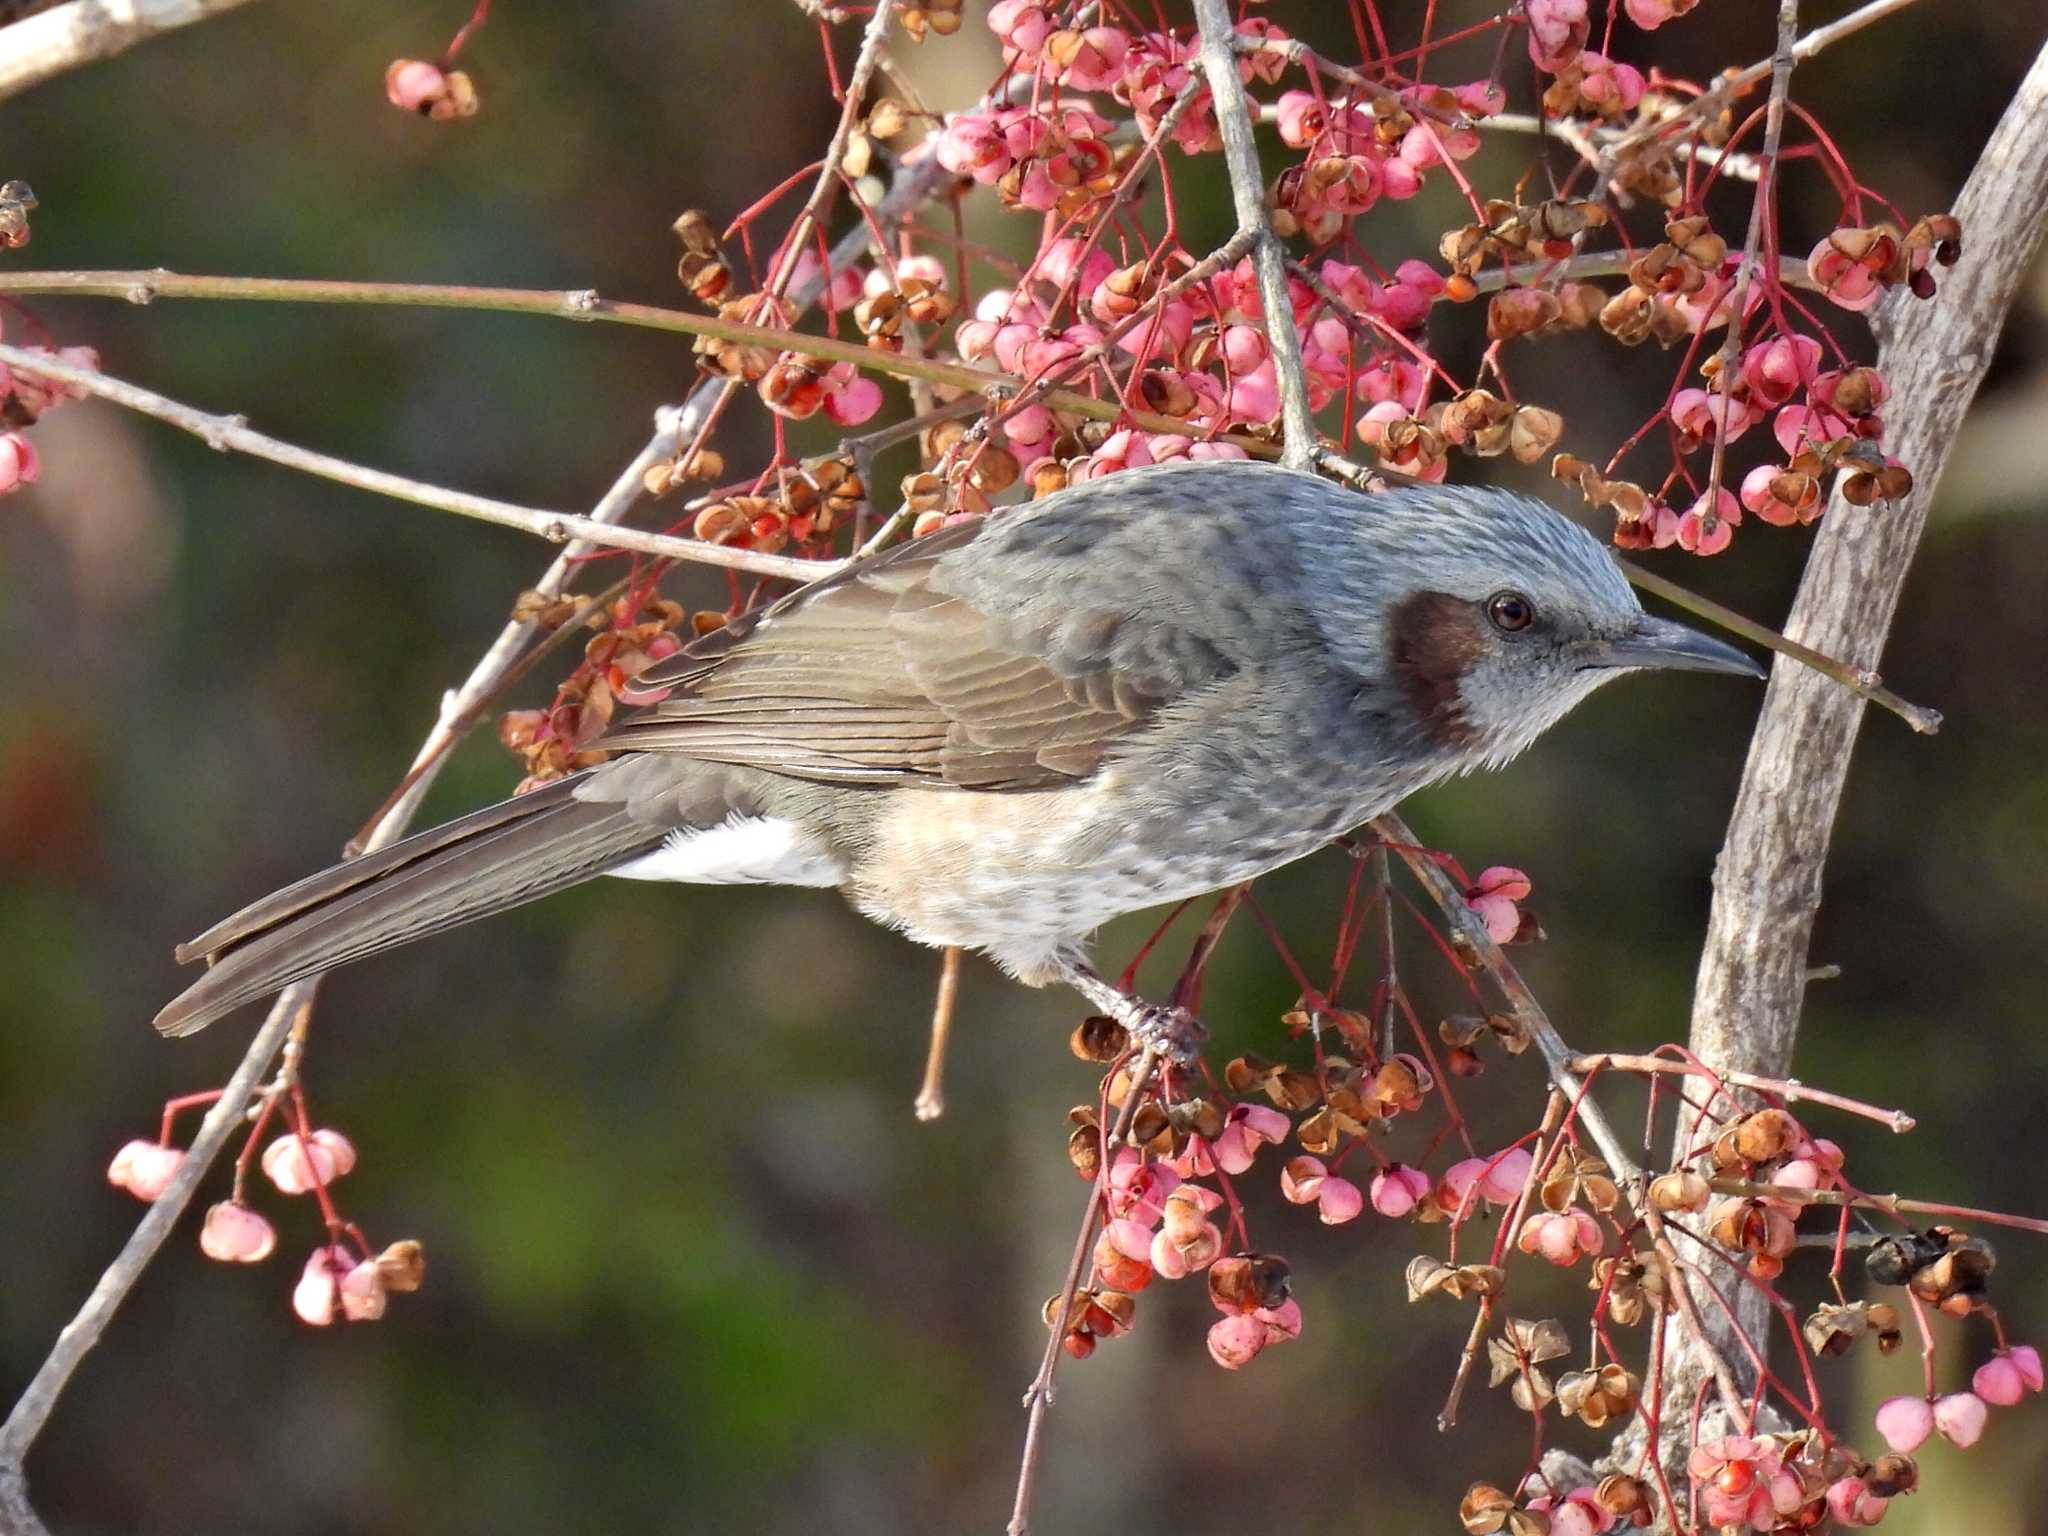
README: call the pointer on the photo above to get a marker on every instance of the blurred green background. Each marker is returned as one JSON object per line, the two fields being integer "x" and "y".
{"x": 693, "y": 1265}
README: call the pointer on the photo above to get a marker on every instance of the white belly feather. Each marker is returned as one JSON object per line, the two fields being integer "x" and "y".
{"x": 742, "y": 850}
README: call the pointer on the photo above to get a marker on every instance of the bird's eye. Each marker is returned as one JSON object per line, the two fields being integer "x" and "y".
{"x": 1510, "y": 611}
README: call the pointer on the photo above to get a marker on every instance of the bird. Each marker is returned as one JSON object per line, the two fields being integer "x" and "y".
{"x": 1006, "y": 732}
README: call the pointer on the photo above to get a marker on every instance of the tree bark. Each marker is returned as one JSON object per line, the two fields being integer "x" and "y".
{"x": 1767, "y": 882}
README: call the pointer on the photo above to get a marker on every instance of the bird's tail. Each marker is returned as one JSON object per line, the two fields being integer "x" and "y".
{"x": 485, "y": 862}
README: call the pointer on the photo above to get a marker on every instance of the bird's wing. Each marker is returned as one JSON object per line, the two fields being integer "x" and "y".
{"x": 982, "y": 656}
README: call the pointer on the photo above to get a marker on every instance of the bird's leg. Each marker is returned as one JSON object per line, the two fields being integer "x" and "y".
{"x": 1175, "y": 1031}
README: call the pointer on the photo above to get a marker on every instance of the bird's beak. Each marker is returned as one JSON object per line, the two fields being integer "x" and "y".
{"x": 1658, "y": 642}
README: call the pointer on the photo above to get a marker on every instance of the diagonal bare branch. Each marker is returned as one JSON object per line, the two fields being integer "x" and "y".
{"x": 232, "y": 433}
{"x": 66, "y": 37}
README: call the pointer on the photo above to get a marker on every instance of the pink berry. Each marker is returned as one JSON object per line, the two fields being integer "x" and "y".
{"x": 1961, "y": 1417}
{"x": 1339, "y": 1201}
{"x": 19, "y": 464}
{"x": 1851, "y": 1502}
{"x": 1505, "y": 1175}
{"x": 318, "y": 1292}
{"x": 2028, "y": 1361}
{"x": 414, "y": 85}
{"x": 298, "y": 1169}
{"x": 362, "y": 1293}
{"x": 1397, "y": 1189}
{"x": 1234, "y": 1340}
{"x": 1282, "y": 1322}
{"x": 1998, "y": 1382}
{"x": 1905, "y": 1422}
{"x": 851, "y": 397}
{"x": 234, "y": 1234}
{"x": 144, "y": 1168}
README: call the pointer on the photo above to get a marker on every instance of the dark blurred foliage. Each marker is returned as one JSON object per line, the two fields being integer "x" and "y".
{"x": 693, "y": 1264}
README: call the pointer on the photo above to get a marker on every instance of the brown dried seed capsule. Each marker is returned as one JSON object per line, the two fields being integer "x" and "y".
{"x": 460, "y": 99}
{"x": 403, "y": 1266}
{"x": 550, "y": 610}
{"x": 1520, "y": 312}
{"x": 1244, "y": 1281}
{"x": 1149, "y": 1124}
{"x": 1202, "y": 1117}
{"x": 1957, "y": 1279}
{"x": 720, "y": 523}
{"x": 1767, "y": 1134}
{"x": 1534, "y": 432}
{"x": 1890, "y": 1476}
{"x": 1099, "y": 1038}
{"x": 1597, "y": 1396}
{"x": 1426, "y": 1275}
{"x": 1485, "y": 1509}
{"x": 993, "y": 470}
{"x": 1628, "y": 316}
{"x": 924, "y": 492}
{"x": 1833, "y": 1329}
{"x": 1461, "y": 1028}
{"x": 1053, "y": 1316}
{"x": 879, "y": 315}
{"x": 16, "y": 201}
{"x": 706, "y": 277}
{"x": 1859, "y": 391}
{"x": 941, "y": 438}
{"x": 1084, "y": 1151}
{"x": 1046, "y": 475}
{"x": 1679, "y": 1190}
{"x": 694, "y": 228}
{"x": 888, "y": 118}
{"x": 1465, "y": 248}
{"x": 924, "y": 302}
{"x": 1624, "y": 1497}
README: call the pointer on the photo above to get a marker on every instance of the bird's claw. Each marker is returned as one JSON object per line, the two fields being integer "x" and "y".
{"x": 1174, "y": 1033}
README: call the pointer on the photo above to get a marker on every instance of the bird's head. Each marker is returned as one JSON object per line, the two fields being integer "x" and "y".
{"x": 1486, "y": 615}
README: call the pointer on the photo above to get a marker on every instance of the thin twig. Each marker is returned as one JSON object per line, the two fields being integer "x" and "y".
{"x": 1789, "y": 1089}
{"x": 1891, "y": 1205}
{"x": 1738, "y": 164}
{"x": 66, "y": 37}
{"x": 1038, "y": 1396}
{"x": 931, "y": 1094}
{"x": 1553, "y": 1112}
{"x": 1248, "y": 197}
{"x": 1760, "y": 213}
{"x": 233, "y": 433}
{"x": 90, "y": 1322}
{"x": 144, "y": 287}
{"x": 871, "y": 41}
{"x": 1470, "y": 930}
{"x": 1732, "y": 85}
{"x": 1864, "y": 684}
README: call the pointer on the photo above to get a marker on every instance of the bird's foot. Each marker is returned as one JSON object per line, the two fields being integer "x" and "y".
{"x": 1174, "y": 1033}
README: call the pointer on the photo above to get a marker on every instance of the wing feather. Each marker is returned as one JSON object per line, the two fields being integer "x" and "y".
{"x": 883, "y": 674}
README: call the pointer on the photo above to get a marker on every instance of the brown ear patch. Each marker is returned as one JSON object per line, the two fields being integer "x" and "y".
{"x": 1435, "y": 639}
